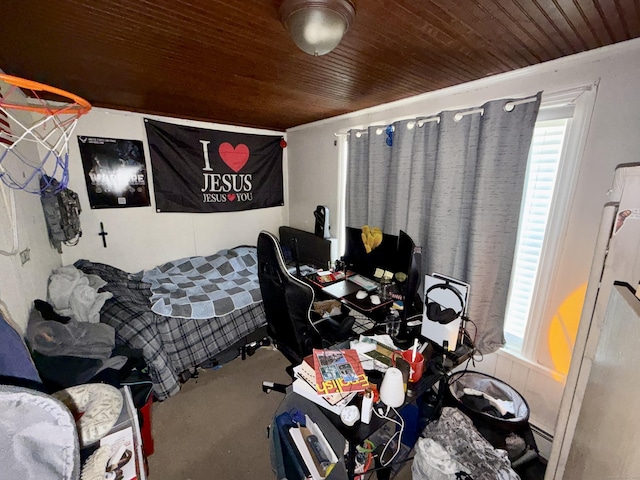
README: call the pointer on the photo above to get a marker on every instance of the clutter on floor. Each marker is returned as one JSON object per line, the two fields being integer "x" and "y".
{"x": 497, "y": 410}
{"x": 56, "y": 411}
{"x": 452, "y": 445}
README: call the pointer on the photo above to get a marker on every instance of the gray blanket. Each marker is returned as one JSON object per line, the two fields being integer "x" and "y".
{"x": 205, "y": 287}
{"x": 169, "y": 345}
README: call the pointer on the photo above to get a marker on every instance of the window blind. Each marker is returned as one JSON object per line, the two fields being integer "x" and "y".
{"x": 540, "y": 180}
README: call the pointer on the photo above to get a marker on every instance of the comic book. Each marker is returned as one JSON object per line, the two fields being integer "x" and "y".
{"x": 307, "y": 373}
{"x": 338, "y": 371}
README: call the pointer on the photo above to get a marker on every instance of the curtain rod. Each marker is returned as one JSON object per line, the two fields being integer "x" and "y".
{"x": 509, "y": 106}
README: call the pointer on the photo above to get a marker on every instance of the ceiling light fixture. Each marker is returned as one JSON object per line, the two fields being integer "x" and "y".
{"x": 317, "y": 26}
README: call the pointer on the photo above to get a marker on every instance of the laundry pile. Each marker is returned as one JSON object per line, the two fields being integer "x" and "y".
{"x": 68, "y": 344}
{"x": 74, "y": 294}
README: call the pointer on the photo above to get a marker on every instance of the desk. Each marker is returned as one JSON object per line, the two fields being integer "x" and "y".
{"x": 359, "y": 432}
{"x": 364, "y": 306}
{"x": 337, "y": 433}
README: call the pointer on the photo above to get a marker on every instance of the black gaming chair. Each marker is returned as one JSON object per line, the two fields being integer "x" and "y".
{"x": 288, "y": 303}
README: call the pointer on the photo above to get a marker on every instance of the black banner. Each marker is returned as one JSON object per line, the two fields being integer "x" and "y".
{"x": 198, "y": 170}
{"x": 115, "y": 172}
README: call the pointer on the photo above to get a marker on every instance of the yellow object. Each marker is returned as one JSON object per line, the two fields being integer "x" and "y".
{"x": 382, "y": 274}
{"x": 371, "y": 237}
{"x": 563, "y": 329}
{"x": 401, "y": 276}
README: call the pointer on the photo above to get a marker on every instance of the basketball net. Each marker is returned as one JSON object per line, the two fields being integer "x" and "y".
{"x": 35, "y": 134}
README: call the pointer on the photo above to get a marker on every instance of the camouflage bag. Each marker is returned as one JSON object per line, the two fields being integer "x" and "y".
{"x": 61, "y": 212}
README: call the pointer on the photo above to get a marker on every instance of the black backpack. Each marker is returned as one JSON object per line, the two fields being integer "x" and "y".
{"x": 61, "y": 212}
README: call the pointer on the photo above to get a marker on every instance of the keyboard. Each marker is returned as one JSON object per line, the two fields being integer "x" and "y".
{"x": 363, "y": 282}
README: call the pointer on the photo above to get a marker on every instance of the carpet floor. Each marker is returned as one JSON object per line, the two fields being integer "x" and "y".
{"x": 215, "y": 427}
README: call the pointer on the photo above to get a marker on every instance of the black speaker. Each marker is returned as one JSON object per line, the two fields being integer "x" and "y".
{"x": 322, "y": 221}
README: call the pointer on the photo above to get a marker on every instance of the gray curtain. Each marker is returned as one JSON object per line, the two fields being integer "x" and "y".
{"x": 455, "y": 185}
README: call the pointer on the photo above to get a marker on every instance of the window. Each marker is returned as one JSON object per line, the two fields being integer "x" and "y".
{"x": 552, "y": 170}
{"x": 542, "y": 172}
{"x": 554, "y": 159}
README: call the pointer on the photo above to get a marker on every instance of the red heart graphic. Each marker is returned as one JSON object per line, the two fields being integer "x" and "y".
{"x": 231, "y": 197}
{"x": 235, "y": 158}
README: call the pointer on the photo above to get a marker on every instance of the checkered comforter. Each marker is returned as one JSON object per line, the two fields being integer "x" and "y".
{"x": 170, "y": 345}
{"x": 205, "y": 287}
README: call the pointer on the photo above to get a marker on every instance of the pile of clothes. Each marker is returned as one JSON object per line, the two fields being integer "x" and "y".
{"x": 74, "y": 294}
{"x": 68, "y": 343}
{"x": 68, "y": 354}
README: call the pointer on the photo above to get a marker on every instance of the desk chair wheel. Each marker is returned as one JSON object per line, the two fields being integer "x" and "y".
{"x": 267, "y": 387}
{"x": 251, "y": 348}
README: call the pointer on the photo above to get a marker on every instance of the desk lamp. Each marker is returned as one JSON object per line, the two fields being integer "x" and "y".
{"x": 392, "y": 388}
{"x": 392, "y": 395}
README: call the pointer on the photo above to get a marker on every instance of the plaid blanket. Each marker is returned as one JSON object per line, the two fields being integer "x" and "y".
{"x": 205, "y": 287}
{"x": 170, "y": 345}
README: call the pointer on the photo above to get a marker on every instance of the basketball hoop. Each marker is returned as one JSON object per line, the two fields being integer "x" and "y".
{"x": 46, "y": 124}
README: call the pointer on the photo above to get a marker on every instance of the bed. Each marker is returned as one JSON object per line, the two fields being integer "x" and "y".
{"x": 172, "y": 345}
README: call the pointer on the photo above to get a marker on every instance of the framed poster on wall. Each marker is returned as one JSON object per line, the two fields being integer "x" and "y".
{"x": 115, "y": 172}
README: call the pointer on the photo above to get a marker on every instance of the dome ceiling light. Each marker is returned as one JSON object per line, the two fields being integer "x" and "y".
{"x": 317, "y": 26}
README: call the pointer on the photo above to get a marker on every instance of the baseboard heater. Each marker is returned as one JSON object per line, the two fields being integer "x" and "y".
{"x": 544, "y": 440}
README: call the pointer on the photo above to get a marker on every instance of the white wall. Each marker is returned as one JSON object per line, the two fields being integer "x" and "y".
{"x": 612, "y": 139}
{"x": 21, "y": 284}
{"x": 138, "y": 237}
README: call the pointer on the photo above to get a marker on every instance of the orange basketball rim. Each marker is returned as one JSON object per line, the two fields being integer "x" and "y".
{"x": 79, "y": 105}
{"x": 49, "y": 128}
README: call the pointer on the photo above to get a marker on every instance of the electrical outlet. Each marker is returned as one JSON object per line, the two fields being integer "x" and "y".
{"x": 25, "y": 255}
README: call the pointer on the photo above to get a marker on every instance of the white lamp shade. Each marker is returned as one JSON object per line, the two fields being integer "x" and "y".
{"x": 392, "y": 388}
{"x": 317, "y": 27}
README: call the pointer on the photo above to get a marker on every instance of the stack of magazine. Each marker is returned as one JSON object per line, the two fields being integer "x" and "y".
{"x": 330, "y": 378}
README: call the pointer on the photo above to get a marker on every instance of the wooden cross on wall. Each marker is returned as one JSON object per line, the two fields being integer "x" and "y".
{"x": 103, "y": 234}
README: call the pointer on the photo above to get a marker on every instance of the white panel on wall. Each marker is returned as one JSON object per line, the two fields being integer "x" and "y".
{"x": 487, "y": 365}
{"x": 503, "y": 368}
{"x": 21, "y": 284}
{"x": 519, "y": 376}
{"x": 543, "y": 394}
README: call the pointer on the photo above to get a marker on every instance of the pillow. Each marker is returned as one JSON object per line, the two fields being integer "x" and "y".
{"x": 96, "y": 408}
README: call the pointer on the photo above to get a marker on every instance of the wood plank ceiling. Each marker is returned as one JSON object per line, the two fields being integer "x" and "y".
{"x": 231, "y": 61}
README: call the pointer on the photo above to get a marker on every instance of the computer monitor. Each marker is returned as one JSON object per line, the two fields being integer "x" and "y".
{"x": 395, "y": 254}
{"x": 409, "y": 258}
{"x": 357, "y": 258}
{"x": 404, "y": 252}
{"x": 304, "y": 248}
